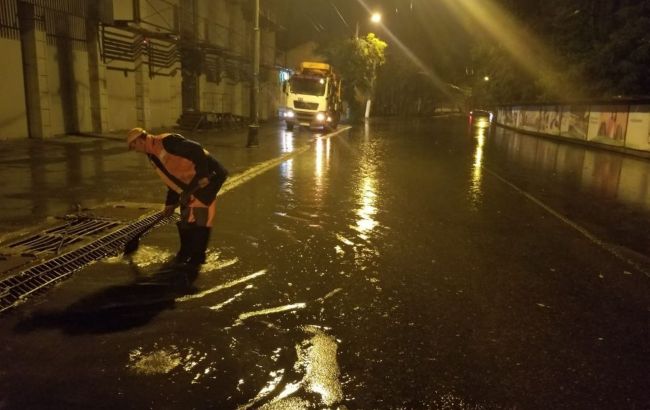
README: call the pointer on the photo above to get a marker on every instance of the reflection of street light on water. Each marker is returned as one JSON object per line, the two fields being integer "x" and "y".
{"x": 482, "y": 124}
{"x": 323, "y": 148}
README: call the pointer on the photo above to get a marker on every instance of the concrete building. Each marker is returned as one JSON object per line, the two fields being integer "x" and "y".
{"x": 77, "y": 66}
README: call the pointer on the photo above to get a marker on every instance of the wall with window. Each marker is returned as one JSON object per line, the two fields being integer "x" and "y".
{"x": 90, "y": 74}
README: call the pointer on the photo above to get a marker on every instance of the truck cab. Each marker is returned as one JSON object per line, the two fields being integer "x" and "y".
{"x": 313, "y": 97}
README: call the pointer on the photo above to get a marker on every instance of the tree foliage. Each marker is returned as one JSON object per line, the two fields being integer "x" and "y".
{"x": 357, "y": 60}
{"x": 403, "y": 88}
{"x": 601, "y": 49}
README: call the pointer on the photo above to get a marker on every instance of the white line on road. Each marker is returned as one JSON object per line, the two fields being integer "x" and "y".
{"x": 239, "y": 179}
{"x": 264, "y": 312}
{"x": 580, "y": 229}
{"x": 222, "y": 286}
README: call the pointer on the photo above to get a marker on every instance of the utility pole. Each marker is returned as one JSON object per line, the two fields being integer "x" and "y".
{"x": 254, "y": 126}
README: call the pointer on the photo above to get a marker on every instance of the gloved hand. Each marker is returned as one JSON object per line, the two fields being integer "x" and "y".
{"x": 169, "y": 210}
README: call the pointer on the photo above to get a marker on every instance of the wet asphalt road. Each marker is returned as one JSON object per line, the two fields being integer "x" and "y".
{"x": 400, "y": 265}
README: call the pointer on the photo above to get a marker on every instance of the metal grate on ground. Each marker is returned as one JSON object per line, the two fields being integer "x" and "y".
{"x": 17, "y": 288}
{"x": 59, "y": 237}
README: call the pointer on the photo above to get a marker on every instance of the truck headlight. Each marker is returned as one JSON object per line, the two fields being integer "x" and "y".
{"x": 320, "y": 117}
{"x": 289, "y": 114}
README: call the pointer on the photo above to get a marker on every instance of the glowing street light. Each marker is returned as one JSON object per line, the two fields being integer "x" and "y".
{"x": 374, "y": 17}
{"x": 486, "y": 78}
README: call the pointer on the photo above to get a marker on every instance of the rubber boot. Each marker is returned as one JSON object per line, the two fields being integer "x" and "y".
{"x": 200, "y": 239}
{"x": 185, "y": 236}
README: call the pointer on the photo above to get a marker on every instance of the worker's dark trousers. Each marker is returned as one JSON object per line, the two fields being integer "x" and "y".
{"x": 194, "y": 242}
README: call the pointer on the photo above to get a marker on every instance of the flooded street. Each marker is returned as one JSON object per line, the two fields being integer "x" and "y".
{"x": 400, "y": 265}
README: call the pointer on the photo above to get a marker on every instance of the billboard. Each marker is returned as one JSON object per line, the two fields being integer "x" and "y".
{"x": 608, "y": 124}
{"x": 638, "y": 128}
{"x": 550, "y": 120}
{"x": 530, "y": 119}
{"x": 612, "y": 123}
{"x": 575, "y": 121}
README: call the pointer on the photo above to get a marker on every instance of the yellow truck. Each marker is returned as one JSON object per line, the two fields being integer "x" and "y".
{"x": 313, "y": 95}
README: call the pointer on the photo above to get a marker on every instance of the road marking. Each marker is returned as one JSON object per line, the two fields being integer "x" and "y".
{"x": 239, "y": 179}
{"x": 609, "y": 248}
{"x": 264, "y": 312}
{"x": 220, "y": 287}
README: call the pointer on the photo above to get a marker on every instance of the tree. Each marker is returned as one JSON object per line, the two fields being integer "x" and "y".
{"x": 620, "y": 63}
{"x": 357, "y": 60}
{"x": 600, "y": 50}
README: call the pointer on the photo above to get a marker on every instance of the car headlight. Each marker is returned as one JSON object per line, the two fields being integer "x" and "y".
{"x": 320, "y": 117}
{"x": 289, "y": 114}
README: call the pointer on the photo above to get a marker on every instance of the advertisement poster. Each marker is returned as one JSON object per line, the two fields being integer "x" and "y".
{"x": 530, "y": 119}
{"x": 608, "y": 124}
{"x": 638, "y": 128}
{"x": 550, "y": 120}
{"x": 575, "y": 121}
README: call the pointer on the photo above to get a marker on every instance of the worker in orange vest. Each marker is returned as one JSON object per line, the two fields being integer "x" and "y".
{"x": 193, "y": 178}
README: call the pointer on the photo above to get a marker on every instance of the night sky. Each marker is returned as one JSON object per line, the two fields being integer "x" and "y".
{"x": 428, "y": 29}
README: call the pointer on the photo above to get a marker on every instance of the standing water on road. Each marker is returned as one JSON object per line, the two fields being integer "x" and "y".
{"x": 386, "y": 267}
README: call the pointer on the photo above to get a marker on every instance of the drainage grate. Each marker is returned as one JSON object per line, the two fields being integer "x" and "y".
{"x": 53, "y": 239}
{"x": 17, "y": 288}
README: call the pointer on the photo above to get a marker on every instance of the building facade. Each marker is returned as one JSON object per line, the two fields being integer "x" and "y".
{"x": 77, "y": 66}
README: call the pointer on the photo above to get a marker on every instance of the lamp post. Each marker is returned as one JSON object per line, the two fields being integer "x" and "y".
{"x": 254, "y": 126}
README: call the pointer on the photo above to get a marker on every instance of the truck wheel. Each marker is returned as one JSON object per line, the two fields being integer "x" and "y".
{"x": 289, "y": 126}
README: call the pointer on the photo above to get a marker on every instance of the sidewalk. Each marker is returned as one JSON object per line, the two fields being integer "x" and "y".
{"x": 42, "y": 179}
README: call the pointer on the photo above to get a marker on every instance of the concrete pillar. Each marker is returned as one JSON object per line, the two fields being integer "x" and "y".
{"x": 37, "y": 93}
{"x": 142, "y": 98}
{"x": 97, "y": 74}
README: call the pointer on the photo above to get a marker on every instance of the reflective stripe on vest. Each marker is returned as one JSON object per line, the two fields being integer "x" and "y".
{"x": 176, "y": 172}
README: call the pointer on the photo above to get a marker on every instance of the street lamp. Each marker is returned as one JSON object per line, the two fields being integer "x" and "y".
{"x": 486, "y": 78}
{"x": 374, "y": 17}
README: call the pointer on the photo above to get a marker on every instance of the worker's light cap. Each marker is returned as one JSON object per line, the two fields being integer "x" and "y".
{"x": 133, "y": 134}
